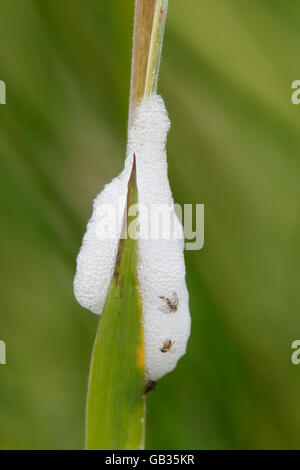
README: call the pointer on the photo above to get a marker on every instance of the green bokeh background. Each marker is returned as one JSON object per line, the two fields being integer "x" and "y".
{"x": 234, "y": 146}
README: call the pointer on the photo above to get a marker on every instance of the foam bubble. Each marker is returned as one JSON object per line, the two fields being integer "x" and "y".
{"x": 161, "y": 267}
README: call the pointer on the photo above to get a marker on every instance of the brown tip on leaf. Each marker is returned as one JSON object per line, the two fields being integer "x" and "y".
{"x": 149, "y": 386}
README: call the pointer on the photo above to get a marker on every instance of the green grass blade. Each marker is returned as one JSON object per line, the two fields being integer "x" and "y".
{"x": 115, "y": 406}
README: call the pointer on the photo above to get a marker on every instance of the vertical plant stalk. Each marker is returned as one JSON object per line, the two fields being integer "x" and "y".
{"x": 115, "y": 416}
{"x": 150, "y": 17}
{"x": 143, "y": 24}
{"x": 155, "y": 49}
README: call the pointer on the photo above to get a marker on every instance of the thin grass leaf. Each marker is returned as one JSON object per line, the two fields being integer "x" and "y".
{"x": 115, "y": 406}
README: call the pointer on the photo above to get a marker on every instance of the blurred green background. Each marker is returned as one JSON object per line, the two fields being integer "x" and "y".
{"x": 234, "y": 145}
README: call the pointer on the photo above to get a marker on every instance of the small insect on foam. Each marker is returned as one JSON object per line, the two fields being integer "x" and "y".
{"x": 167, "y": 345}
{"x": 171, "y": 304}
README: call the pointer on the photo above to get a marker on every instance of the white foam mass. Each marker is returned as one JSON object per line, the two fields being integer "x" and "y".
{"x": 161, "y": 269}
